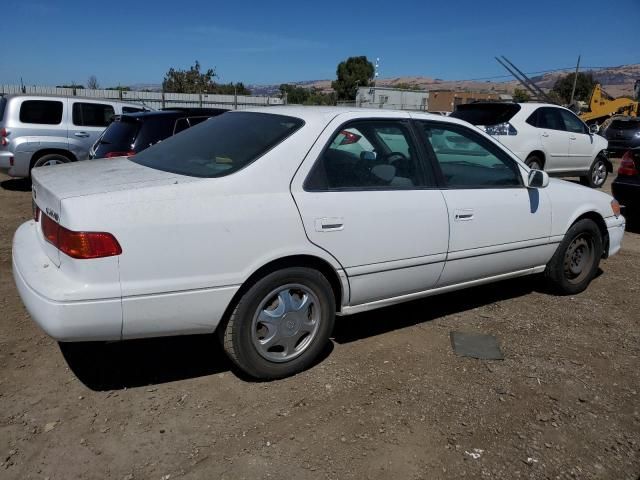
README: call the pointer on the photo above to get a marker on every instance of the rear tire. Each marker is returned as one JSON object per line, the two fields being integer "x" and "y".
{"x": 597, "y": 174}
{"x": 281, "y": 324}
{"x": 50, "y": 159}
{"x": 576, "y": 260}
{"x": 534, "y": 162}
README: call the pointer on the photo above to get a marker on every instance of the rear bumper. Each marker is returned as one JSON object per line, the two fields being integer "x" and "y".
{"x": 19, "y": 166}
{"x": 39, "y": 282}
{"x": 623, "y": 145}
{"x": 615, "y": 227}
{"x": 627, "y": 191}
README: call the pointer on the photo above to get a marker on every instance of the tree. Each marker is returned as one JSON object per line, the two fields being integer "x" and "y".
{"x": 120, "y": 88}
{"x": 353, "y": 73}
{"x": 92, "y": 83}
{"x": 72, "y": 85}
{"x": 306, "y": 96}
{"x": 520, "y": 95}
{"x": 230, "y": 89}
{"x": 584, "y": 87}
{"x": 189, "y": 81}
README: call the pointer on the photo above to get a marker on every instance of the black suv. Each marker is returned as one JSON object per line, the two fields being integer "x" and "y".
{"x": 622, "y": 132}
{"x": 131, "y": 133}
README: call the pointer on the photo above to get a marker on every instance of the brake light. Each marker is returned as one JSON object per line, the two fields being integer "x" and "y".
{"x": 130, "y": 153}
{"x": 349, "y": 137}
{"x": 4, "y": 141}
{"x": 3, "y": 132}
{"x": 627, "y": 165}
{"x": 81, "y": 245}
{"x": 501, "y": 129}
{"x": 36, "y": 211}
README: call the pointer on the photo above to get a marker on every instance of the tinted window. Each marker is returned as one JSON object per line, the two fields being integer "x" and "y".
{"x": 154, "y": 129}
{"x": 469, "y": 161}
{"x": 181, "y": 124}
{"x": 132, "y": 110}
{"x": 44, "y": 112}
{"x": 572, "y": 123}
{"x": 366, "y": 155}
{"x": 220, "y": 146}
{"x": 92, "y": 114}
{"x": 627, "y": 124}
{"x": 3, "y": 103}
{"x": 550, "y": 118}
{"x": 486, "y": 113}
{"x": 118, "y": 137}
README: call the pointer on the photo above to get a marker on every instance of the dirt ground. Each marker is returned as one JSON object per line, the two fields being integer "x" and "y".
{"x": 389, "y": 400}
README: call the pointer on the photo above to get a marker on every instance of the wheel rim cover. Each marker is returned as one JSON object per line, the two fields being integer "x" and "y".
{"x": 285, "y": 323}
{"x": 578, "y": 259}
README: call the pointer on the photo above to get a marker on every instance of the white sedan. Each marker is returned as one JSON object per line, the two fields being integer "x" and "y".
{"x": 263, "y": 224}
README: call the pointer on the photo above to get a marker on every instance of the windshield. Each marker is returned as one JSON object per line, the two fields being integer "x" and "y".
{"x": 221, "y": 145}
{"x": 486, "y": 113}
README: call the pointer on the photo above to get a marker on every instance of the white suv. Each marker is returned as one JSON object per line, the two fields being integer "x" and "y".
{"x": 545, "y": 136}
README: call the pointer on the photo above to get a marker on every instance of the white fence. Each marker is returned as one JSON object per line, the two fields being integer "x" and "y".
{"x": 154, "y": 100}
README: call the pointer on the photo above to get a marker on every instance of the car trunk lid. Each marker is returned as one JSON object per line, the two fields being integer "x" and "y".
{"x": 52, "y": 185}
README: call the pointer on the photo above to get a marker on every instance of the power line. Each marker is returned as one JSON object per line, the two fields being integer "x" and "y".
{"x": 527, "y": 73}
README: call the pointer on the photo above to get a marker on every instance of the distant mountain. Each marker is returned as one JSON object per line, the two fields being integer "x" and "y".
{"x": 617, "y": 81}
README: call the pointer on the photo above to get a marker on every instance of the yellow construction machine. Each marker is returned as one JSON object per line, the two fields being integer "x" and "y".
{"x": 602, "y": 105}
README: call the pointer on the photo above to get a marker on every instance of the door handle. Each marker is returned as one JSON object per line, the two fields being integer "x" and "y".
{"x": 572, "y": 138}
{"x": 81, "y": 134}
{"x": 545, "y": 134}
{"x": 329, "y": 224}
{"x": 463, "y": 215}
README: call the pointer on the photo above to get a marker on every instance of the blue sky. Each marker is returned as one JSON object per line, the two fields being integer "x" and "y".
{"x": 54, "y": 42}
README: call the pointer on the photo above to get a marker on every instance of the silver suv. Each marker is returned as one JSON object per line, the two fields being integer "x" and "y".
{"x": 47, "y": 130}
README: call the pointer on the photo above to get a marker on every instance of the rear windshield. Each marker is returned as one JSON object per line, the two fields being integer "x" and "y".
{"x": 221, "y": 145}
{"x": 486, "y": 113}
{"x": 630, "y": 124}
{"x": 119, "y": 136}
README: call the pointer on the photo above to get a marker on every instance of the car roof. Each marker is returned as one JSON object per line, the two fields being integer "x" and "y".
{"x": 72, "y": 97}
{"x": 205, "y": 112}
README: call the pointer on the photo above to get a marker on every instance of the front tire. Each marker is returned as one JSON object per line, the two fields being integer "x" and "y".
{"x": 576, "y": 260}
{"x": 281, "y": 324}
{"x": 597, "y": 174}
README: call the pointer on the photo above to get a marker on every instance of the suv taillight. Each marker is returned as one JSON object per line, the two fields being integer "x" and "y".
{"x": 81, "y": 245}
{"x": 501, "y": 129}
{"x": 4, "y": 141}
{"x": 130, "y": 153}
{"x": 627, "y": 165}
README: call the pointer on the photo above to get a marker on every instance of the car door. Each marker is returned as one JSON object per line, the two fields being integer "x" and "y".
{"x": 365, "y": 197}
{"x": 497, "y": 225}
{"x": 553, "y": 138}
{"x": 88, "y": 121}
{"x": 581, "y": 143}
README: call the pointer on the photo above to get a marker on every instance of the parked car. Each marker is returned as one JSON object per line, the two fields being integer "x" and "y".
{"x": 263, "y": 224}
{"x": 622, "y": 132}
{"x": 131, "y": 133}
{"x": 546, "y": 137}
{"x": 48, "y": 130}
{"x": 626, "y": 186}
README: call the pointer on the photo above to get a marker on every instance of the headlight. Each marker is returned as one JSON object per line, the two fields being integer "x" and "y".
{"x": 615, "y": 207}
{"x": 501, "y": 129}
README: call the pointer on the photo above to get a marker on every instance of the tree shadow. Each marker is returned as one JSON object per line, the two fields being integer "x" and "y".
{"x": 376, "y": 322}
{"x": 16, "y": 184}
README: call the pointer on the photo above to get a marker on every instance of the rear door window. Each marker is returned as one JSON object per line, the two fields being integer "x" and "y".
{"x": 132, "y": 110}
{"x": 550, "y": 118}
{"x": 44, "y": 112}
{"x": 221, "y": 145}
{"x": 92, "y": 114}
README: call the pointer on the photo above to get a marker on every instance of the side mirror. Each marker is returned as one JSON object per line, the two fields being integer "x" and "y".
{"x": 368, "y": 156}
{"x": 593, "y": 129}
{"x": 538, "y": 179}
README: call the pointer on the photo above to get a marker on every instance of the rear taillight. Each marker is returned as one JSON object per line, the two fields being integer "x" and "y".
{"x": 349, "y": 137}
{"x": 130, "y": 153}
{"x": 4, "y": 141}
{"x": 627, "y": 165}
{"x": 81, "y": 245}
{"x": 501, "y": 129}
{"x": 36, "y": 211}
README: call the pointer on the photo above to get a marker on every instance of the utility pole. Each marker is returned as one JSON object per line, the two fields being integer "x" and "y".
{"x": 575, "y": 79}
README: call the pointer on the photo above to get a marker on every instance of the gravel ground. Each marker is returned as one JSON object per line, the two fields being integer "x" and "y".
{"x": 389, "y": 399}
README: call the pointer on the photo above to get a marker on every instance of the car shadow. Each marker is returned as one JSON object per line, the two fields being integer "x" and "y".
{"x": 376, "y": 322}
{"x": 633, "y": 222}
{"x": 137, "y": 363}
{"x": 16, "y": 184}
